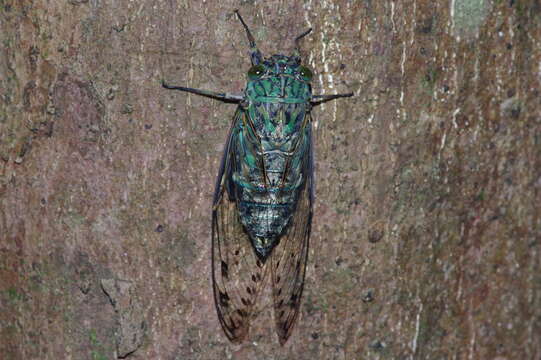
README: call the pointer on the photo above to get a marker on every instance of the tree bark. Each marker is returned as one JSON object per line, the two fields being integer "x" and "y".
{"x": 427, "y": 225}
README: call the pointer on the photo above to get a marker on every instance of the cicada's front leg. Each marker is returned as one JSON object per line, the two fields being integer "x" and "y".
{"x": 227, "y": 97}
{"x": 319, "y": 99}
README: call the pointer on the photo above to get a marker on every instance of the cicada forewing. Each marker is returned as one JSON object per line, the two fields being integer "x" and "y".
{"x": 237, "y": 274}
{"x": 290, "y": 256}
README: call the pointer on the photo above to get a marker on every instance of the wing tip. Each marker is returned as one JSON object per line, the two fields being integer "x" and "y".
{"x": 283, "y": 339}
{"x": 284, "y": 331}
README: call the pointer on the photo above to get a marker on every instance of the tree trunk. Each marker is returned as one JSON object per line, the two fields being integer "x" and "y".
{"x": 427, "y": 226}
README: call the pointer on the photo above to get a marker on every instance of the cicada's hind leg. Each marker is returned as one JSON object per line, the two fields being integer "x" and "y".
{"x": 212, "y": 94}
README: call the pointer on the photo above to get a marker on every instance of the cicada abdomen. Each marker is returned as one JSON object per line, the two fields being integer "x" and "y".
{"x": 262, "y": 206}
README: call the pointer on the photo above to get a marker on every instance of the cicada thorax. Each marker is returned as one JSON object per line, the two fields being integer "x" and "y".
{"x": 271, "y": 145}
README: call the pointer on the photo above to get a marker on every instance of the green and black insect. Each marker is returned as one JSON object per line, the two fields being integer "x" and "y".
{"x": 262, "y": 207}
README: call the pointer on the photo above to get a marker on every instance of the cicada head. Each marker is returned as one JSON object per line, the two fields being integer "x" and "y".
{"x": 279, "y": 78}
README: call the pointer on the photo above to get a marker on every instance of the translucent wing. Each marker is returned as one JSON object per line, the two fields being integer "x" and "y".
{"x": 289, "y": 258}
{"x": 237, "y": 274}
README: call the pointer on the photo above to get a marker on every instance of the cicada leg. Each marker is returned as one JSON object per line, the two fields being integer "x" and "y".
{"x": 318, "y": 99}
{"x": 236, "y": 98}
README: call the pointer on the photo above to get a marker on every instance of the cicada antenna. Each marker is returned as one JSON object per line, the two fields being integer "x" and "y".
{"x": 255, "y": 54}
{"x": 297, "y": 51}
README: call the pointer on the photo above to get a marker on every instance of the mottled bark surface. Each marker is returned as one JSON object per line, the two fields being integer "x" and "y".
{"x": 426, "y": 238}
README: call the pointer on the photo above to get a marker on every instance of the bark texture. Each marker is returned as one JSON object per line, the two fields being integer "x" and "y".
{"x": 426, "y": 237}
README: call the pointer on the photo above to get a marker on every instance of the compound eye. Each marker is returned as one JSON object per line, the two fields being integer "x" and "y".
{"x": 256, "y": 72}
{"x": 305, "y": 73}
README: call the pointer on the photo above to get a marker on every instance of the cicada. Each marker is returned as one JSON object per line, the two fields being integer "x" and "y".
{"x": 263, "y": 202}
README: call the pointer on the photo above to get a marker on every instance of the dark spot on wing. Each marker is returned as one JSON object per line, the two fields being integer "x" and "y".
{"x": 233, "y": 325}
{"x": 225, "y": 270}
{"x": 293, "y": 301}
{"x": 224, "y": 299}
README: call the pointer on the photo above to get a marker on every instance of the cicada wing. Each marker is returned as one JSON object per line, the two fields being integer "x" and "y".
{"x": 289, "y": 258}
{"x": 237, "y": 274}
